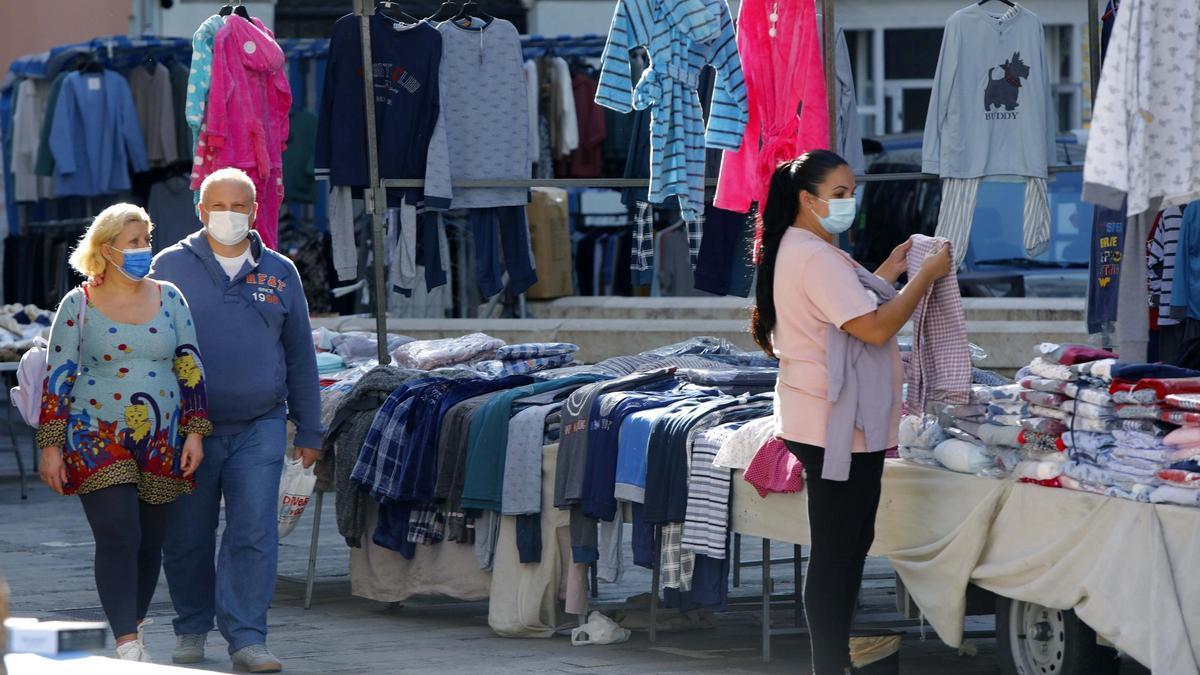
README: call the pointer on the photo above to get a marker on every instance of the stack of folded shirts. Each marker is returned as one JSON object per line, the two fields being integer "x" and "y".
{"x": 990, "y": 424}
{"x": 1002, "y": 405}
{"x": 919, "y": 436}
{"x": 528, "y": 358}
{"x": 1183, "y": 455}
{"x": 1065, "y": 389}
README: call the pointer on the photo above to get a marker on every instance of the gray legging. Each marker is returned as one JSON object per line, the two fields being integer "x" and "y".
{"x": 129, "y": 536}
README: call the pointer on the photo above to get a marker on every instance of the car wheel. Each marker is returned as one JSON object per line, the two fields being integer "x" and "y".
{"x": 1037, "y": 640}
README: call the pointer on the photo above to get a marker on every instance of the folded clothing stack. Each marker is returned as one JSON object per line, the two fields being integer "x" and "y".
{"x": 19, "y": 325}
{"x": 919, "y": 436}
{"x": 1134, "y": 459}
{"x": 978, "y": 437}
{"x": 1163, "y": 393}
{"x": 533, "y": 357}
{"x": 1066, "y": 389}
{"x": 447, "y": 352}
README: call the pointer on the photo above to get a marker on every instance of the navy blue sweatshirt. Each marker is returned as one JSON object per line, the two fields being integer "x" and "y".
{"x": 253, "y": 334}
{"x": 411, "y": 137}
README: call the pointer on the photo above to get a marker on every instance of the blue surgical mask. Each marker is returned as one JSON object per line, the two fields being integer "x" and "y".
{"x": 136, "y": 263}
{"x": 841, "y": 215}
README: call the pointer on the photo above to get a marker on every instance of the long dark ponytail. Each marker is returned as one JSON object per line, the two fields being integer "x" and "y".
{"x": 775, "y": 217}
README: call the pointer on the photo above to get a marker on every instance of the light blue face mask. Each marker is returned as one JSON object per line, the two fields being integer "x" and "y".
{"x": 841, "y": 215}
{"x": 135, "y": 262}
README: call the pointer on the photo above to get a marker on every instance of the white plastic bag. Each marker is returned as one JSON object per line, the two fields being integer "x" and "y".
{"x": 295, "y": 489}
{"x": 599, "y": 630}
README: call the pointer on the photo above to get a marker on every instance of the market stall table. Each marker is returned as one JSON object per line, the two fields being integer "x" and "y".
{"x": 1122, "y": 566}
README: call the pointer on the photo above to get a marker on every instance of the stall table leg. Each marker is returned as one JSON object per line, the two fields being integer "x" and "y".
{"x": 766, "y": 600}
{"x": 655, "y": 578}
{"x": 737, "y": 560}
{"x": 797, "y": 568}
{"x": 312, "y": 550}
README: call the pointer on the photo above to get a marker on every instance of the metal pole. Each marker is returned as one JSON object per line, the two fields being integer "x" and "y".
{"x": 1094, "y": 47}
{"x": 829, "y": 54}
{"x": 655, "y": 576}
{"x": 374, "y": 197}
{"x": 766, "y": 600}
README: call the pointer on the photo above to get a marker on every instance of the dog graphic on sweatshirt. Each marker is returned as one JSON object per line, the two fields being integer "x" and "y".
{"x": 1002, "y": 92}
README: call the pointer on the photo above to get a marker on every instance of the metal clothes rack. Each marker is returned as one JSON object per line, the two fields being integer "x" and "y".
{"x": 375, "y": 197}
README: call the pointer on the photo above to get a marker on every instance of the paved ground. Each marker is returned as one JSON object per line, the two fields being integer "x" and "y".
{"x": 45, "y": 553}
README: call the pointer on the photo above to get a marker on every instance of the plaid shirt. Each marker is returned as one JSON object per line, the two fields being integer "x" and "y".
{"x": 642, "y": 259}
{"x": 678, "y": 564}
{"x": 503, "y": 368}
{"x": 535, "y": 350}
{"x": 940, "y": 366}
{"x": 426, "y": 525}
{"x": 379, "y": 465}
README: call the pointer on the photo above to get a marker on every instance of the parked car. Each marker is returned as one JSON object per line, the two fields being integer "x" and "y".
{"x": 995, "y": 263}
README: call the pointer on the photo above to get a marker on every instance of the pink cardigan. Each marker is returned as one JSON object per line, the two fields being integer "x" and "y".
{"x": 781, "y": 73}
{"x": 246, "y": 116}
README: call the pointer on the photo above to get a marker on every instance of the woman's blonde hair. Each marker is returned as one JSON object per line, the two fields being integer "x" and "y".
{"x": 88, "y": 256}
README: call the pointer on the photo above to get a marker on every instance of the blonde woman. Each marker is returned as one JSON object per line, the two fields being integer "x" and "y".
{"x": 123, "y": 411}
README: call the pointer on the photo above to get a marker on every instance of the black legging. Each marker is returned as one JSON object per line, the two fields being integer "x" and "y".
{"x": 129, "y": 537}
{"x": 841, "y": 523}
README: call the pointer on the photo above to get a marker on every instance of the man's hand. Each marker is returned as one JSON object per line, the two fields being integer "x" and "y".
{"x": 309, "y": 455}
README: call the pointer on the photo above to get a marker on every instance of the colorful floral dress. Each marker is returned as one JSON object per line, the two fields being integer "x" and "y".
{"x": 119, "y": 398}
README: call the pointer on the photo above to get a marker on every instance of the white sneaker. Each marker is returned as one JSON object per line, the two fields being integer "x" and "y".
{"x": 134, "y": 650}
{"x": 189, "y": 648}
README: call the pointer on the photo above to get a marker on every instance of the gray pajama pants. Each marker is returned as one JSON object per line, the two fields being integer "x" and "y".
{"x": 958, "y": 209}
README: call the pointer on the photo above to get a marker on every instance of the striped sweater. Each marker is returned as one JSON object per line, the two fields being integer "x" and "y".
{"x": 682, "y": 37}
{"x": 1160, "y": 262}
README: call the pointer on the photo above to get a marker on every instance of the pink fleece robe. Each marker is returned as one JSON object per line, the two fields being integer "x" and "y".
{"x": 782, "y": 72}
{"x": 246, "y": 117}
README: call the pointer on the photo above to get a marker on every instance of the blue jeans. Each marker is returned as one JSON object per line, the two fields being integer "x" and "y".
{"x": 244, "y": 468}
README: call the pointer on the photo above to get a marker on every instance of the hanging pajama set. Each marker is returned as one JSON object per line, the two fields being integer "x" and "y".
{"x": 482, "y": 79}
{"x": 990, "y": 115}
{"x": 246, "y": 117}
{"x": 410, "y": 137}
{"x": 682, "y": 38}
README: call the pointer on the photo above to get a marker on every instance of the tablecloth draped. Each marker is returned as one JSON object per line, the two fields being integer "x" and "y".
{"x": 1124, "y": 567}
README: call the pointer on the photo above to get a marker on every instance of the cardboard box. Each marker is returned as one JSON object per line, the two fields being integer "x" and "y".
{"x": 550, "y": 238}
{"x": 30, "y": 636}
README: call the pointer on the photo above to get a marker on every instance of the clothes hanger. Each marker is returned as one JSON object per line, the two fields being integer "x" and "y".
{"x": 240, "y": 9}
{"x": 394, "y": 14}
{"x": 1007, "y": 2}
{"x": 91, "y": 65}
{"x": 471, "y": 9}
{"x": 447, "y": 11}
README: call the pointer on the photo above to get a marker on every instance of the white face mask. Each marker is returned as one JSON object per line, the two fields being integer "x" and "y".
{"x": 228, "y": 227}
